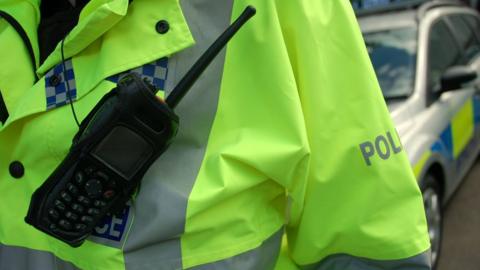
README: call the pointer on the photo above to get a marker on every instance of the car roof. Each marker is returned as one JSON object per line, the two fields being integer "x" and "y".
{"x": 390, "y": 20}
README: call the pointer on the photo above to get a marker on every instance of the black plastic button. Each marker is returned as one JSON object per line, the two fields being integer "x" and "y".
{"x": 77, "y": 208}
{"x": 93, "y": 211}
{"x": 99, "y": 204}
{"x": 66, "y": 197}
{"x": 55, "y": 80}
{"x": 162, "y": 27}
{"x": 72, "y": 188}
{"x": 86, "y": 219}
{"x": 71, "y": 216}
{"x": 16, "y": 169}
{"x": 83, "y": 200}
{"x": 65, "y": 224}
{"x": 52, "y": 227}
{"x": 53, "y": 214}
{"x": 79, "y": 178}
{"x": 107, "y": 195}
{"x": 80, "y": 227}
{"x": 93, "y": 188}
{"x": 59, "y": 205}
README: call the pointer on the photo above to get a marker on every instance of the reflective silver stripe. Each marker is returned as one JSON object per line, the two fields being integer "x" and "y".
{"x": 262, "y": 258}
{"x": 160, "y": 208}
{"x": 17, "y": 258}
{"x": 347, "y": 262}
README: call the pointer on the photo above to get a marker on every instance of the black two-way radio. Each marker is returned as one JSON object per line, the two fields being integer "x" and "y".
{"x": 117, "y": 142}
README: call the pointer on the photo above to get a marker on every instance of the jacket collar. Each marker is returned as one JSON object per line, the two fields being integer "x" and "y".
{"x": 109, "y": 40}
{"x": 96, "y": 18}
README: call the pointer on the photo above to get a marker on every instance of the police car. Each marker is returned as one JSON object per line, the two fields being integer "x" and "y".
{"x": 426, "y": 55}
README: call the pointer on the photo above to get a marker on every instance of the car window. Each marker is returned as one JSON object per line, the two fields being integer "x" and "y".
{"x": 473, "y": 22}
{"x": 467, "y": 39}
{"x": 393, "y": 53}
{"x": 366, "y": 4}
{"x": 443, "y": 52}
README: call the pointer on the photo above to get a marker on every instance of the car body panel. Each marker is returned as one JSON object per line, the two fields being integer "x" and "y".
{"x": 445, "y": 133}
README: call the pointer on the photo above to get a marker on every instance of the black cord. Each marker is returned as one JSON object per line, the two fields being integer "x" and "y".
{"x": 68, "y": 85}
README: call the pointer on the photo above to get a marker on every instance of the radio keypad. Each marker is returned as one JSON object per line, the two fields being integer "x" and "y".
{"x": 79, "y": 178}
{"x": 74, "y": 209}
{"x": 109, "y": 194}
{"x": 86, "y": 219}
{"x": 84, "y": 200}
{"x": 93, "y": 211}
{"x": 66, "y": 197}
{"x": 71, "y": 216}
{"x": 78, "y": 208}
{"x": 72, "y": 189}
{"x": 80, "y": 227}
{"x": 54, "y": 214}
{"x": 93, "y": 188}
{"x": 60, "y": 205}
{"x": 65, "y": 224}
{"x": 99, "y": 204}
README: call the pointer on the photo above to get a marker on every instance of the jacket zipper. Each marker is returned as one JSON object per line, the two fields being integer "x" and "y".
{"x": 16, "y": 25}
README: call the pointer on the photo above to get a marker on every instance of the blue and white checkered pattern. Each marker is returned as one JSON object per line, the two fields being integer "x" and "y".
{"x": 56, "y": 88}
{"x": 156, "y": 72}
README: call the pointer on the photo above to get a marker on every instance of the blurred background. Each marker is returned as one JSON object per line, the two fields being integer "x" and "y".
{"x": 426, "y": 55}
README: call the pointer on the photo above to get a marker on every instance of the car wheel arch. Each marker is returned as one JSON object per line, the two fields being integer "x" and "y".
{"x": 437, "y": 171}
{"x": 433, "y": 182}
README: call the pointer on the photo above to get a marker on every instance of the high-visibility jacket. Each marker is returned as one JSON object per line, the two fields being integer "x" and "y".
{"x": 285, "y": 140}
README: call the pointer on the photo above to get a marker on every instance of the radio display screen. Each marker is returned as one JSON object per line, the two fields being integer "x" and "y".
{"x": 124, "y": 151}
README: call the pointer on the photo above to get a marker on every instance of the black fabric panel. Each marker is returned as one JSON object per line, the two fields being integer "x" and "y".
{"x": 56, "y": 22}
{"x": 3, "y": 110}
{"x": 24, "y": 37}
{"x": 58, "y": 17}
{"x": 49, "y": 8}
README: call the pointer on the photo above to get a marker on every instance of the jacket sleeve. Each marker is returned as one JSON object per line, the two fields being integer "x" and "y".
{"x": 361, "y": 207}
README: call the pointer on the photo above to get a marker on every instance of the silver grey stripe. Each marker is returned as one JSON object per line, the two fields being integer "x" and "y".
{"x": 261, "y": 258}
{"x": 347, "y": 262}
{"x": 160, "y": 208}
{"x": 18, "y": 258}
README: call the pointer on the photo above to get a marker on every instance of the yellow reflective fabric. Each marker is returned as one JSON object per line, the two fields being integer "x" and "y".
{"x": 91, "y": 27}
{"x": 284, "y": 262}
{"x": 27, "y": 13}
{"x": 349, "y": 207}
{"x": 40, "y": 139}
{"x": 51, "y": 145}
{"x": 12, "y": 44}
{"x": 257, "y": 145}
{"x": 298, "y": 97}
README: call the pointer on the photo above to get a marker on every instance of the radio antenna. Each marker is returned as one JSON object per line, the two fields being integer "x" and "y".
{"x": 207, "y": 57}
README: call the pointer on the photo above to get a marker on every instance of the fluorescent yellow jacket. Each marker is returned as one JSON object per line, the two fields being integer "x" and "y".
{"x": 269, "y": 143}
